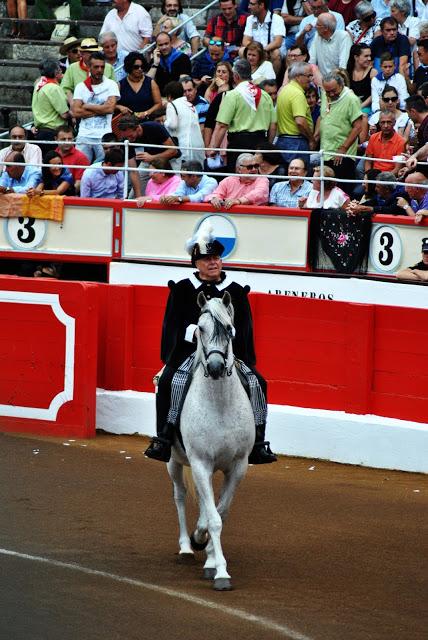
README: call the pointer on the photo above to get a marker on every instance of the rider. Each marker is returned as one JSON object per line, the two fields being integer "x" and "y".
{"x": 179, "y": 325}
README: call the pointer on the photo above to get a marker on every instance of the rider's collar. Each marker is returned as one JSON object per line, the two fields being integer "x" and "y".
{"x": 197, "y": 282}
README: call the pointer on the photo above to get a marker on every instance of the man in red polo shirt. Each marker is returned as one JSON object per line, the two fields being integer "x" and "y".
{"x": 228, "y": 25}
{"x": 71, "y": 155}
{"x": 386, "y": 144}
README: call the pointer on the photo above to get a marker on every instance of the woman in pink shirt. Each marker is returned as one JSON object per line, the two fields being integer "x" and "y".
{"x": 160, "y": 183}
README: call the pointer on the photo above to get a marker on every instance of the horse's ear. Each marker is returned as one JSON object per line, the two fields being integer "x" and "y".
{"x": 227, "y": 300}
{"x": 201, "y": 299}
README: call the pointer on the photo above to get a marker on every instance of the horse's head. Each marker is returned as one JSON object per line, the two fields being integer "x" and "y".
{"x": 215, "y": 333}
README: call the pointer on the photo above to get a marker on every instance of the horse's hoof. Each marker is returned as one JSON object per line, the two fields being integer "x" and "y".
{"x": 197, "y": 546}
{"x": 222, "y": 584}
{"x": 209, "y": 573}
{"x": 186, "y": 558}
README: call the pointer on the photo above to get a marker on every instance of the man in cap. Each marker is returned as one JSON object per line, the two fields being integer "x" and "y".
{"x": 79, "y": 71}
{"x": 179, "y": 326}
{"x": 419, "y": 271}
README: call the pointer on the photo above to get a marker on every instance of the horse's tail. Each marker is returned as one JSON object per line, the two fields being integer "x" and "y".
{"x": 189, "y": 483}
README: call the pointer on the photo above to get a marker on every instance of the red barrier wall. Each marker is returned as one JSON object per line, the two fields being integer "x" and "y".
{"x": 357, "y": 358}
{"x": 48, "y": 356}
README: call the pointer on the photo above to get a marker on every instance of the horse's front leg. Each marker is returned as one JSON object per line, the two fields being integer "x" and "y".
{"x": 175, "y": 471}
{"x": 203, "y": 481}
{"x": 232, "y": 479}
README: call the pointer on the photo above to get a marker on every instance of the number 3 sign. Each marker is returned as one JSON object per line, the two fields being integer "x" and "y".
{"x": 385, "y": 249}
{"x": 25, "y": 233}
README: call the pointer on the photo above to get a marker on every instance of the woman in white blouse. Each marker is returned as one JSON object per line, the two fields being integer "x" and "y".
{"x": 261, "y": 69}
{"x": 334, "y": 197}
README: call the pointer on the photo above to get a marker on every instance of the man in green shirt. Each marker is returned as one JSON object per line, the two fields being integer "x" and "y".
{"x": 295, "y": 124}
{"x": 49, "y": 106}
{"x": 247, "y": 115}
{"x": 340, "y": 124}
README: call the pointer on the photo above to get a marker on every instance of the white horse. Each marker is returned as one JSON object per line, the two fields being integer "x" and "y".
{"x": 218, "y": 430}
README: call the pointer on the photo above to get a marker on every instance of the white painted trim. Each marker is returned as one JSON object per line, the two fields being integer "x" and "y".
{"x": 369, "y": 440}
{"x": 52, "y": 300}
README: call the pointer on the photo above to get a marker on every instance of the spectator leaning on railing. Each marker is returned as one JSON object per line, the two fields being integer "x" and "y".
{"x": 31, "y": 152}
{"x": 247, "y": 187}
{"x": 70, "y": 155}
{"x": 419, "y": 271}
{"x": 105, "y": 181}
{"x": 193, "y": 186}
{"x": 19, "y": 178}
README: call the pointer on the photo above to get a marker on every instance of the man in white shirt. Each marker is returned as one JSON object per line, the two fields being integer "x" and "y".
{"x": 330, "y": 48}
{"x": 131, "y": 23}
{"x": 307, "y": 31}
{"x": 94, "y": 101}
{"x": 267, "y": 28}
{"x": 31, "y": 152}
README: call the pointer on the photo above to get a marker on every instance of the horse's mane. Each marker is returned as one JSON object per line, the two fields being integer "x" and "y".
{"x": 223, "y": 319}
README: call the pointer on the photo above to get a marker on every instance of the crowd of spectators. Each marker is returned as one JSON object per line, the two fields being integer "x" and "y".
{"x": 279, "y": 81}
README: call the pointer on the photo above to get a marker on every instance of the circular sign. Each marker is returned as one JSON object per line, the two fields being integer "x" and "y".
{"x": 25, "y": 233}
{"x": 385, "y": 249}
{"x": 224, "y": 230}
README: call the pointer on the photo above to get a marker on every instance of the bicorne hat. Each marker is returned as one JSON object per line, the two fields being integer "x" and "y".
{"x": 204, "y": 243}
{"x": 424, "y": 245}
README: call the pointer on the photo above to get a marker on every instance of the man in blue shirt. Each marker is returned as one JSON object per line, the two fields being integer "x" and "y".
{"x": 193, "y": 186}
{"x": 19, "y": 179}
{"x": 286, "y": 193}
{"x": 106, "y": 181}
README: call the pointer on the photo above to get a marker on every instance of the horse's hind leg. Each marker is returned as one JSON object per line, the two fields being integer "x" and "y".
{"x": 175, "y": 471}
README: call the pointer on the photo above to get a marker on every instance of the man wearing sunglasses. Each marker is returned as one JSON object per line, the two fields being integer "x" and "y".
{"x": 228, "y": 25}
{"x": 205, "y": 64}
{"x": 248, "y": 187}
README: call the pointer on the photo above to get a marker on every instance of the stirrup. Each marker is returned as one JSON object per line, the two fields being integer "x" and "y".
{"x": 159, "y": 449}
{"x": 261, "y": 453}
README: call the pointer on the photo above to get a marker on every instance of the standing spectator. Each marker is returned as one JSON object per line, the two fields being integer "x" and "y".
{"x": 70, "y": 52}
{"x": 261, "y": 69}
{"x": 287, "y": 193}
{"x": 388, "y": 76}
{"x": 222, "y": 81}
{"x": 79, "y": 71}
{"x": 247, "y": 187}
{"x": 330, "y": 48}
{"x": 17, "y": 9}
{"x": 206, "y": 64}
{"x": 334, "y": 197}
{"x": 131, "y": 23}
{"x": 31, "y": 152}
{"x": 341, "y": 123}
{"x": 160, "y": 183}
{"x": 394, "y": 42}
{"x": 168, "y": 64}
{"x": 386, "y": 144}
{"x": 56, "y": 181}
{"x": 19, "y": 178}
{"x": 70, "y": 155}
{"x": 421, "y": 74}
{"x": 49, "y": 105}
{"x": 191, "y": 94}
{"x": 246, "y": 113}
{"x": 267, "y": 28}
{"x": 229, "y": 25}
{"x": 363, "y": 29}
{"x": 345, "y": 7}
{"x": 94, "y": 102}
{"x": 418, "y": 113}
{"x": 174, "y": 9}
{"x": 307, "y": 31}
{"x": 113, "y": 55}
{"x": 419, "y": 271}
{"x": 182, "y": 122}
{"x": 271, "y": 87}
{"x": 193, "y": 187}
{"x": 139, "y": 93}
{"x": 106, "y": 180}
{"x": 295, "y": 125}
{"x": 360, "y": 72}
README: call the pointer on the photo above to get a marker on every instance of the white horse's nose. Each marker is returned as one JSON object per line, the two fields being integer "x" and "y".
{"x": 215, "y": 366}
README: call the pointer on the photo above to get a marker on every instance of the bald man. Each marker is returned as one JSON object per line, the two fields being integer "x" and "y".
{"x": 330, "y": 48}
{"x": 20, "y": 178}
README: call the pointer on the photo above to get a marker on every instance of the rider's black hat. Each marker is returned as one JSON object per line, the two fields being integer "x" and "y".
{"x": 204, "y": 243}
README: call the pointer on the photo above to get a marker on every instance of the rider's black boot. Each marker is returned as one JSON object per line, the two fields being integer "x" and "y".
{"x": 160, "y": 446}
{"x": 261, "y": 453}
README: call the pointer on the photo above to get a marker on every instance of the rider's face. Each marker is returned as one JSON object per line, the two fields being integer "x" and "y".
{"x": 209, "y": 268}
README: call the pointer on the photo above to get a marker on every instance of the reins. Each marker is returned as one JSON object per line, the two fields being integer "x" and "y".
{"x": 227, "y": 372}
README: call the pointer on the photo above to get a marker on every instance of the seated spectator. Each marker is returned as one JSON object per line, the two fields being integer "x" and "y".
{"x": 367, "y": 24}
{"x": 31, "y": 152}
{"x": 408, "y": 25}
{"x": 94, "y": 102}
{"x": 270, "y": 162}
{"x": 386, "y": 200}
{"x": 194, "y": 185}
{"x": 182, "y": 122}
{"x": 245, "y": 188}
{"x": 205, "y": 65}
{"x": 306, "y": 31}
{"x": 418, "y": 206}
{"x": 174, "y": 9}
{"x": 360, "y": 72}
{"x": 79, "y": 71}
{"x": 261, "y": 69}
{"x": 19, "y": 178}
{"x": 70, "y": 155}
{"x": 417, "y": 111}
{"x": 165, "y": 24}
{"x": 330, "y": 48}
{"x": 228, "y": 25}
{"x": 168, "y": 64}
{"x": 191, "y": 94}
{"x": 385, "y": 145}
{"x": 394, "y": 42}
{"x": 387, "y": 76}
{"x": 69, "y": 50}
{"x": 267, "y": 28}
{"x": 313, "y": 100}
{"x": 106, "y": 180}
{"x": 334, "y": 197}
{"x": 49, "y": 105}
{"x": 420, "y": 76}
{"x": 113, "y": 55}
{"x": 131, "y": 23}
{"x": 389, "y": 102}
{"x": 369, "y": 186}
{"x": 142, "y": 134}
{"x": 295, "y": 54}
{"x": 419, "y": 271}
{"x": 56, "y": 181}
{"x": 139, "y": 93}
{"x": 222, "y": 81}
{"x": 292, "y": 12}
{"x": 160, "y": 183}
{"x": 287, "y": 193}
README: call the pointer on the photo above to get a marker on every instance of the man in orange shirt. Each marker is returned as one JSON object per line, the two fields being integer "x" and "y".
{"x": 386, "y": 144}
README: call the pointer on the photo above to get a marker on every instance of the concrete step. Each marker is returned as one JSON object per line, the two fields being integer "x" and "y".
{"x": 28, "y": 49}
{"x": 16, "y": 92}
{"x": 22, "y": 69}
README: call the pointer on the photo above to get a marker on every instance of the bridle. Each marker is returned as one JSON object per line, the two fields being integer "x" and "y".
{"x": 223, "y": 354}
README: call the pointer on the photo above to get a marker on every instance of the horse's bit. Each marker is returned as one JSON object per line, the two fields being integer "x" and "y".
{"x": 227, "y": 371}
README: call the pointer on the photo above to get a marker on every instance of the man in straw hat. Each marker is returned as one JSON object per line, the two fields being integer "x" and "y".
{"x": 178, "y": 345}
{"x": 70, "y": 52}
{"x": 79, "y": 71}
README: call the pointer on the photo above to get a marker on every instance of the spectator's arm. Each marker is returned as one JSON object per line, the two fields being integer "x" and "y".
{"x": 357, "y": 126}
{"x": 259, "y": 194}
{"x": 101, "y": 109}
{"x": 412, "y": 274}
{"x": 218, "y": 135}
{"x": 195, "y": 43}
{"x": 59, "y": 191}
{"x": 275, "y": 44}
{"x": 135, "y": 178}
{"x": 272, "y": 132}
{"x": 246, "y": 40}
{"x": 305, "y": 130}
{"x": 85, "y": 185}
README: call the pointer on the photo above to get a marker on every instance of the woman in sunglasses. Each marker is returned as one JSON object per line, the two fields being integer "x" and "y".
{"x": 139, "y": 94}
{"x": 366, "y": 26}
{"x": 389, "y": 101}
